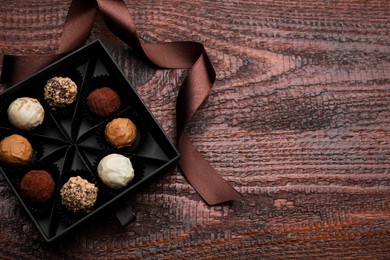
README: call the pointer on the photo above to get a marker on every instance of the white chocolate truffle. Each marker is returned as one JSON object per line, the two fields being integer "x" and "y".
{"x": 26, "y": 113}
{"x": 115, "y": 171}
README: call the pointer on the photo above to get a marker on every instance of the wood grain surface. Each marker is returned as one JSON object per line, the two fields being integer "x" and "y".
{"x": 298, "y": 122}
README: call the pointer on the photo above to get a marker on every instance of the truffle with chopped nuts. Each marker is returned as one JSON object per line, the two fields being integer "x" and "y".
{"x": 78, "y": 195}
{"x": 60, "y": 92}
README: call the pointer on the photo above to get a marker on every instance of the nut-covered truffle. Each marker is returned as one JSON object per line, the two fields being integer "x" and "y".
{"x": 15, "y": 150}
{"x": 60, "y": 92}
{"x": 37, "y": 186}
{"x": 115, "y": 171}
{"x": 26, "y": 113}
{"x": 120, "y": 132}
{"x": 103, "y": 101}
{"x": 78, "y": 195}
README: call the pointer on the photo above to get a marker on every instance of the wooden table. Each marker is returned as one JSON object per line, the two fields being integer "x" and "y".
{"x": 298, "y": 122}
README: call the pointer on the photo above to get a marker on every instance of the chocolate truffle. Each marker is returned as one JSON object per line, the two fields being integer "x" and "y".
{"x": 26, "y": 113}
{"x": 120, "y": 132}
{"x": 115, "y": 171}
{"x": 78, "y": 195}
{"x": 103, "y": 101}
{"x": 60, "y": 92}
{"x": 15, "y": 150}
{"x": 37, "y": 186}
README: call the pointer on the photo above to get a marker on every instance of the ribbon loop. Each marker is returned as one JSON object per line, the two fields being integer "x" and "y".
{"x": 200, "y": 79}
{"x": 78, "y": 24}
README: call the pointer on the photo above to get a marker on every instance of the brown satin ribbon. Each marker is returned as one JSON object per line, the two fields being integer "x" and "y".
{"x": 195, "y": 88}
{"x": 76, "y": 30}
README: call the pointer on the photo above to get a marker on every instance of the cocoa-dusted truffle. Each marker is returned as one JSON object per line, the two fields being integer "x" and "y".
{"x": 60, "y": 92}
{"x": 25, "y": 113}
{"x": 103, "y": 101}
{"x": 15, "y": 150}
{"x": 120, "y": 132}
{"x": 78, "y": 195}
{"x": 37, "y": 186}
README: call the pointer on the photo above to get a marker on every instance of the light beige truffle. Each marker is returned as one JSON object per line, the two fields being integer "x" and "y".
{"x": 15, "y": 150}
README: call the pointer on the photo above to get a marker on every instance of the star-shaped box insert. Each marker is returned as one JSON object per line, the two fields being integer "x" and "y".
{"x": 71, "y": 141}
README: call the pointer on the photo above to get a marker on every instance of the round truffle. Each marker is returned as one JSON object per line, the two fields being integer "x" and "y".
{"x": 37, "y": 186}
{"x": 120, "y": 132}
{"x": 26, "y": 113}
{"x": 15, "y": 150}
{"x": 115, "y": 171}
{"x": 103, "y": 101}
{"x": 78, "y": 195}
{"x": 60, "y": 92}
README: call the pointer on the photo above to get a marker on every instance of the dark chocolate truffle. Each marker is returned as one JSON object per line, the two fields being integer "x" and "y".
{"x": 37, "y": 186}
{"x": 60, "y": 92}
{"x": 103, "y": 101}
{"x": 120, "y": 132}
{"x": 15, "y": 150}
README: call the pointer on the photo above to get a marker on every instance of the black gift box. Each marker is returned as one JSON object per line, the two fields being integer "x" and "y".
{"x": 70, "y": 140}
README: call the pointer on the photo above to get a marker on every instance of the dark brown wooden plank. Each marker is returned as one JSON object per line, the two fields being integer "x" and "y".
{"x": 298, "y": 122}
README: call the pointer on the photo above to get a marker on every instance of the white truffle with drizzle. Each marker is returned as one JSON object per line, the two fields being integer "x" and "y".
{"x": 26, "y": 113}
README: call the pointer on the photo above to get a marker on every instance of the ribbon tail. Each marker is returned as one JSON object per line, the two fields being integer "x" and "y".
{"x": 199, "y": 173}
